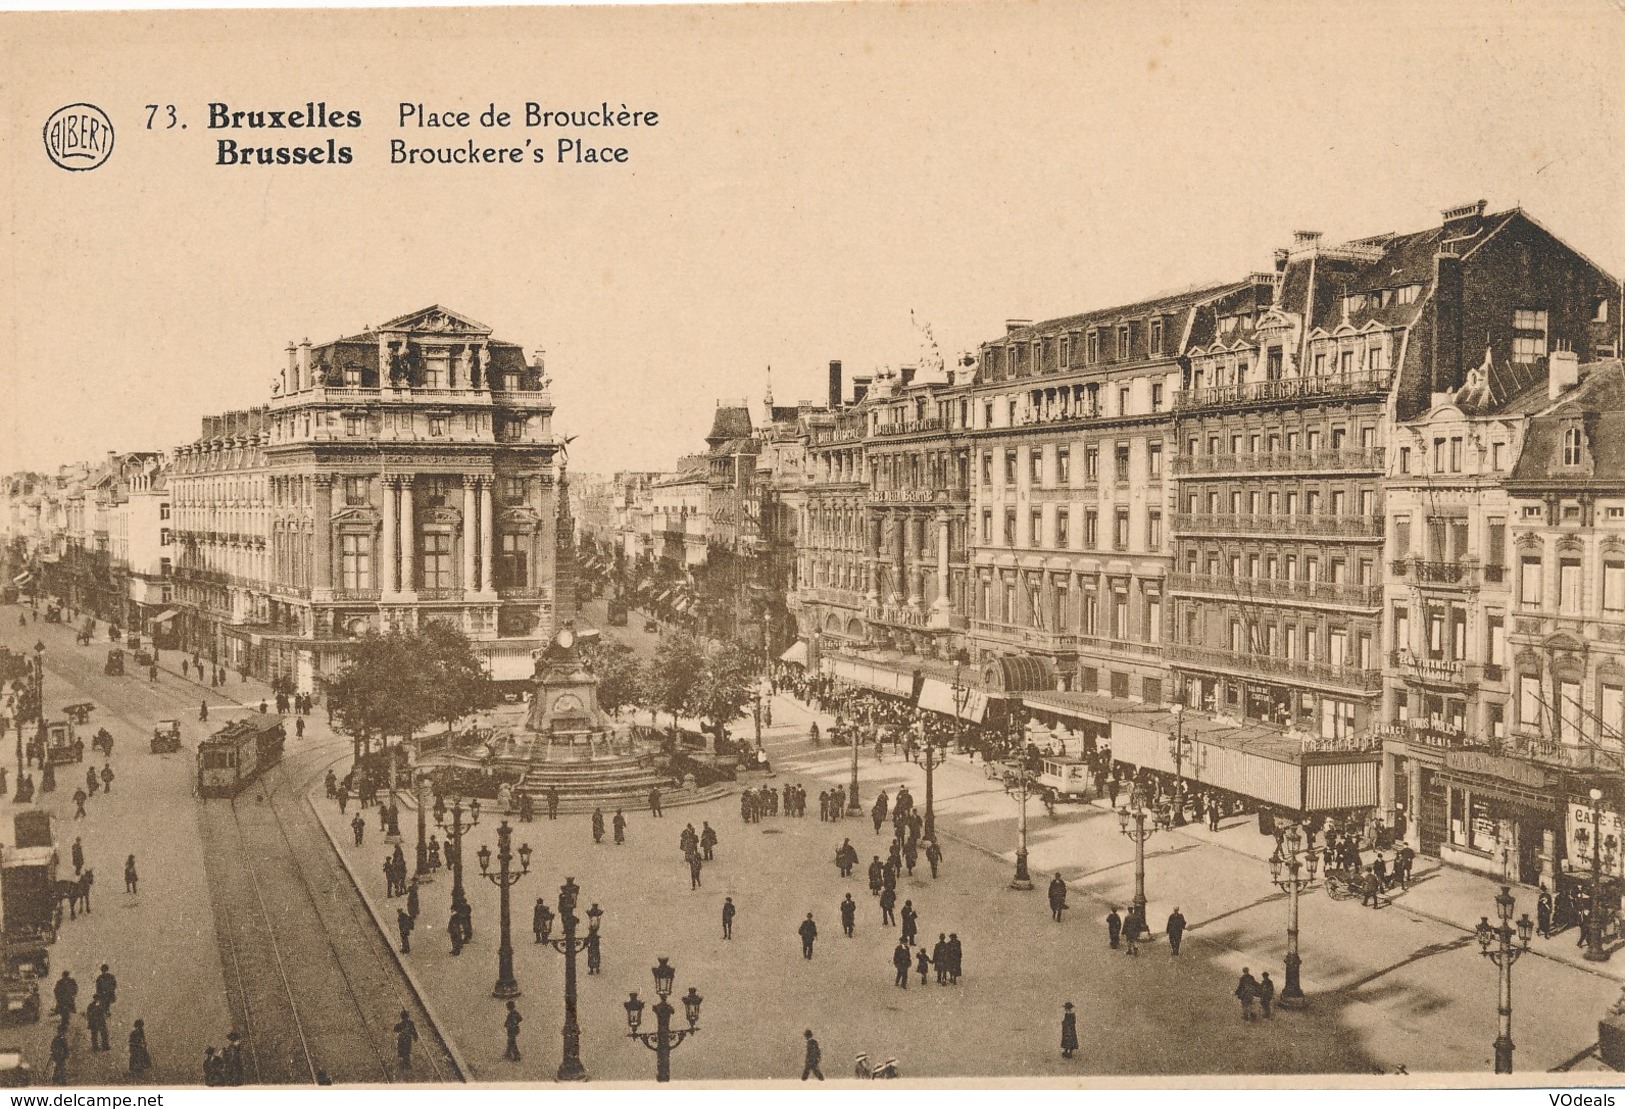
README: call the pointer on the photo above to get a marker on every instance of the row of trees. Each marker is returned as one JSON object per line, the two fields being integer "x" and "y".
{"x": 397, "y": 684}
{"x": 712, "y": 682}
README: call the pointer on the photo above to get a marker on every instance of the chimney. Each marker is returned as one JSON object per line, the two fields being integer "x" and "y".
{"x": 1016, "y": 325}
{"x": 1280, "y": 259}
{"x": 1563, "y": 372}
{"x": 1305, "y": 239}
{"x": 304, "y": 361}
{"x": 293, "y": 367}
{"x": 908, "y": 374}
{"x": 860, "y": 388}
{"x": 1446, "y": 322}
{"x": 1463, "y": 221}
{"x": 835, "y": 384}
{"x": 539, "y": 361}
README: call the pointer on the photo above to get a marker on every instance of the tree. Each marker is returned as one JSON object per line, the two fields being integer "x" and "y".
{"x": 457, "y": 680}
{"x": 724, "y": 687}
{"x": 620, "y": 675}
{"x": 395, "y": 684}
{"x": 669, "y": 683}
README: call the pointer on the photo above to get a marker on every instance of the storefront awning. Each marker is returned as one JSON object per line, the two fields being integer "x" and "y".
{"x": 873, "y": 675}
{"x": 511, "y": 667}
{"x": 937, "y": 695}
{"x": 1508, "y": 793}
{"x": 165, "y": 616}
{"x": 796, "y": 653}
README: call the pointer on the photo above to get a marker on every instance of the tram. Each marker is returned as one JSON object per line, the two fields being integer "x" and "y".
{"x": 237, "y": 754}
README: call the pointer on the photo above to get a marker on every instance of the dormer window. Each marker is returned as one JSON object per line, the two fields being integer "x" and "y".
{"x": 1571, "y": 446}
{"x": 1529, "y": 334}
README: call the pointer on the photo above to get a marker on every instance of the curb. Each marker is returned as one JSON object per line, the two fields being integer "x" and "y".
{"x": 464, "y": 1073}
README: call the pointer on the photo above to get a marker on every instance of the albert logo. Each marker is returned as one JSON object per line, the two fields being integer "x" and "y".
{"x": 79, "y": 137}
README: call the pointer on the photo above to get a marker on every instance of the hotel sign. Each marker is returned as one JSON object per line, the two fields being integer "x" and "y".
{"x": 1494, "y": 766}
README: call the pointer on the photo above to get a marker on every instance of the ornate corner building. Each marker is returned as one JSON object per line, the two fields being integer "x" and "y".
{"x": 404, "y": 474}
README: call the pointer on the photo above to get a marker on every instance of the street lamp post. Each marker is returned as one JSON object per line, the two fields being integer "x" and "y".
{"x": 1495, "y": 944}
{"x": 1595, "y": 951}
{"x": 1287, "y": 870}
{"x": 39, "y": 693}
{"x": 1131, "y": 821}
{"x": 1020, "y": 789}
{"x": 454, "y": 825}
{"x": 961, "y": 698}
{"x": 664, "y": 1039}
{"x": 1176, "y": 748}
{"x": 571, "y": 1069}
{"x": 853, "y": 806}
{"x": 505, "y": 879}
{"x": 420, "y": 872}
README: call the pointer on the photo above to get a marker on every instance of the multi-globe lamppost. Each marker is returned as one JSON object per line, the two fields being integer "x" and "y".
{"x": 936, "y": 753}
{"x": 1292, "y": 873}
{"x": 1020, "y": 789}
{"x": 1495, "y": 944}
{"x": 39, "y": 697}
{"x": 1596, "y": 918}
{"x": 505, "y": 879}
{"x": 853, "y": 806}
{"x": 455, "y": 826}
{"x": 1131, "y": 821}
{"x": 664, "y": 1039}
{"x": 571, "y": 1069}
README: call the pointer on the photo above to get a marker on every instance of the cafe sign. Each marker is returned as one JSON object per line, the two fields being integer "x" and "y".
{"x": 1581, "y": 837}
{"x": 1494, "y": 766}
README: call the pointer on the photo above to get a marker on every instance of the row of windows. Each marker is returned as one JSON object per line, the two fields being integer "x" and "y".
{"x": 1278, "y": 502}
{"x": 434, "y": 561}
{"x": 1060, "y": 535}
{"x": 1337, "y": 437}
{"x": 1270, "y": 566}
{"x": 1570, "y": 598}
{"x": 1103, "y": 606}
{"x": 1049, "y": 353}
{"x": 1062, "y": 474}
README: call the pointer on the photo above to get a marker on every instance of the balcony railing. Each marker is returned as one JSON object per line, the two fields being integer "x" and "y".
{"x": 1340, "y": 675}
{"x": 899, "y": 615}
{"x": 918, "y": 496}
{"x": 353, "y": 594}
{"x": 1370, "y": 459}
{"x": 910, "y": 427}
{"x": 1224, "y": 523}
{"x": 1284, "y": 389}
{"x": 1570, "y": 756}
{"x": 1451, "y": 671}
{"x": 1423, "y": 571}
{"x": 829, "y": 595}
{"x": 1278, "y": 589}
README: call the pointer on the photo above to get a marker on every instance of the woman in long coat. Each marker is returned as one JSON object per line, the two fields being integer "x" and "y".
{"x": 1069, "y": 1032}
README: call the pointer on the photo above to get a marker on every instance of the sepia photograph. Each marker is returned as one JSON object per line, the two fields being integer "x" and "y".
{"x": 813, "y": 545}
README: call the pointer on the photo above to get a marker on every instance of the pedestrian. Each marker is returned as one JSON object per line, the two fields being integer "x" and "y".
{"x": 910, "y": 922}
{"x": 96, "y": 1019}
{"x": 299, "y": 727}
{"x": 406, "y": 1034}
{"x": 510, "y": 1024}
{"x": 454, "y": 931}
{"x": 92, "y": 783}
{"x": 1112, "y": 788}
{"x": 1266, "y": 994}
{"x": 1176, "y": 930}
{"x": 1543, "y": 911}
{"x": 262, "y": 705}
{"x": 815, "y": 1054}
{"x": 403, "y": 921}
{"x": 876, "y": 875}
{"x": 933, "y": 855}
{"x": 552, "y": 802}
{"x": 360, "y": 828}
{"x": 849, "y": 915}
{"x": 595, "y": 951}
{"x": 78, "y": 855}
{"x": 213, "y": 1075}
{"x": 1069, "y": 1031}
{"x": 708, "y": 841}
{"x": 130, "y": 877}
{"x": 901, "y": 961}
{"x": 140, "y": 1060}
{"x": 598, "y": 825}
{"x": 106, "y": 988}
{"x": 814, "y": 733}
{"x": 620, "y": 828}
{"x": 1057, "y": 897}
{"x": 79, "y": 799}
{"x": 728, "y": 918}
{"x": 654, "y": 802}
{"x": 107, "y": 777}
{"x": 922, "y": 964}
{"x": 412, "y": 901}
{"x": 808, "y": 932}
{"x": 693, "y": 871}
{"x": 1246, "y": 990}
{"x": 231, "y": 1060}
{"x": 59, "y": 1056}
{"x": 67, "y": 996}
{"x": 888, "y": 900}
{"x": 389, "y": 876}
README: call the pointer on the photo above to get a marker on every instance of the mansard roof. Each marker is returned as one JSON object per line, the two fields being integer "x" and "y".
{"x": 1597, "y": 404}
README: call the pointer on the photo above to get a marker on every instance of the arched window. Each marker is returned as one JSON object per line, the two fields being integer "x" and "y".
{"x": 1571, "y": 446}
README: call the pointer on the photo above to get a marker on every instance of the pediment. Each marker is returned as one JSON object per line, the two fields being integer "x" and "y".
{"x": 519, "y": 516}
{"x": 436, "y": 320}
{"x": 441, "y": 514}
{"x": 357, "y": 515}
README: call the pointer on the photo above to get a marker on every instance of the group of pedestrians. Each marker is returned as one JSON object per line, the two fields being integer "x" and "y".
{"x": 791, "y": 800}
{"x": 98, "y": 1017}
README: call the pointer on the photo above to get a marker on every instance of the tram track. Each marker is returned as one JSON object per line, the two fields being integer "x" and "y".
{"x": 282, "y": 901}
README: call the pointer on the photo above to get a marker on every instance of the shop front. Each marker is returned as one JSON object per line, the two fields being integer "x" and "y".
{"x": 1501, "y": 816}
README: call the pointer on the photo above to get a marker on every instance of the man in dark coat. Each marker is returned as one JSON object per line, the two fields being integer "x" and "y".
{"x": 620, "y": 828}
{"x": 1114, "y": 927}
{"x": 911, "y": 922}
{"x": 728, "y": 912}
{"x": 901, "y": 960}
{"x": 1176, "y": 930}
{"x": 877, "y": 872}
{"x": 1543, "y": 911}
{"x": 849, "y": 915}
{"x": 96, "y": 1018}
{"x": 403, "y": 921}
{"x": 231, "y": 1060}
{"x": 814, "y": 1055}
{"x": 888, "y": 901}
{"x": 67, "y": 996}
{"x": 538, "y": 917}
{"x": 59, "y": 1056}
{"x": 406, "y": 1034}
{"x": 1266, "y": 994}
{"x": 598, "y": 825}
{"x": 360, "y": 828}
{"x": 1246, "y": 991}
{"x": 956, "y": 958}
{"x": 808, "y": 932}
{"x": 654, "y": 802}
{"x": 933, "y": 855}
{"x": 454, "y": 932}
{"x": 106, "y": 988}
{"x": 1057, "y": 896}
{"x": 694, "y": 871}
{"x": 552, "y": 802}
{"x": 708, "y": 842}
{"x": 941, "y": 958}
{"x": 510, "y": 1024}
{"x": 412, "y": 900}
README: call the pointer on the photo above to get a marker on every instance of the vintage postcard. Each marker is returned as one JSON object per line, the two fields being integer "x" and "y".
{"x": 1048, "y": 544}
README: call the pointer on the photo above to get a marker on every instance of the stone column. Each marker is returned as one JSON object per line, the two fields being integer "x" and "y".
{"x": 324, "y": 532}
{"x": 468, "y": 533}
{"x": 409, "y": 538}
{"x": 487, "y": 539}
{"x": 899, "y": 585}
{"x": 943, "y": 604}
{"x": 386, "y": 571}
